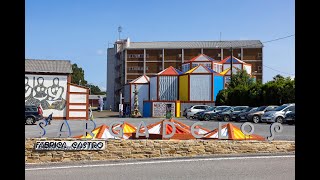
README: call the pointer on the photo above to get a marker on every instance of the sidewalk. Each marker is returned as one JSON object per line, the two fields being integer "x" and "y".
{"x": 104, "y": 114}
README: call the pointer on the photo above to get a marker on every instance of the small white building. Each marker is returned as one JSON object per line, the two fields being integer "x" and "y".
{"x": 142, "y": 83}
{"x": 48, "y": 83}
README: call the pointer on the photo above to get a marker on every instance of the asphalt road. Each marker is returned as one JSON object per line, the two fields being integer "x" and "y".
{"x": 76, "y": 127}
{"x": 218, "y": 168}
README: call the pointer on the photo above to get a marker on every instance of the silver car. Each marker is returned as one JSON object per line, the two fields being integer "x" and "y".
{"x": 196, "y": 108}
{"x": 278, "y": 114}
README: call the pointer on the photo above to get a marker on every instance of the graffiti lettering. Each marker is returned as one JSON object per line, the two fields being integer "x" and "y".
{"x": 62, "y": 133}
{"x": 145, "y": 133}
{"x": 275, "y": 128}
{"x": 116, "y": 130}
{"x": 70, "y": 145}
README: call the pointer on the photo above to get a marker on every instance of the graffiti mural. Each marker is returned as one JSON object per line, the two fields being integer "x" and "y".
{"x": 47, "y": 90}
{"x": 160, "y": 108}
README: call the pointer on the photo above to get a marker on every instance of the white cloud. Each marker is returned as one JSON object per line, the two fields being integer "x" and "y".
{"x": 102, "y": 88}
{"x": 101, "y": 52}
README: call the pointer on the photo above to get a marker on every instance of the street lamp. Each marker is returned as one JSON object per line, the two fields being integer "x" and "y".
{"x": 231, "y": 63}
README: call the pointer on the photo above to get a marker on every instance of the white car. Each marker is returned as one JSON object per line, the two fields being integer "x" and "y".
{"x": 196, "y": 108}
{"x": 278, "y": 114}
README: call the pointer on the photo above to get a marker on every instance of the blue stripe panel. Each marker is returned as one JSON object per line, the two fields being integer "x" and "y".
{"x": 218, "y": 85}
{"x": 168, "y": 87}
{"x": 153, "y": 88}
{"x": 146, "y": 109}
{"x": 200, "y": 87}
{"x": 178, "y": 71}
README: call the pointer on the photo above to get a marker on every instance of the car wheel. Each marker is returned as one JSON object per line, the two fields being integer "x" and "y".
{"x": 226, "y": 118}
{"x": 190, "y": 117}
{"x": 30, "y": 120}
{"x": 279, "y": 120}
{"x": 256, "y": 119}
{"x": 206, "y": 117}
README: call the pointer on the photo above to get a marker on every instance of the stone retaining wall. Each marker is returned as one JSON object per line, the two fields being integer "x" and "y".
{"x": 139, "y": 149}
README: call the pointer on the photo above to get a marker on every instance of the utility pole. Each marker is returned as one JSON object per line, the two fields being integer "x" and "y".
{"x": 231, "y": 63}
{"x": 119, "y": 31}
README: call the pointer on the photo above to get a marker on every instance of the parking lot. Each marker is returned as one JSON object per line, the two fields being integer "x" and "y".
{"x": 76, "y": 126}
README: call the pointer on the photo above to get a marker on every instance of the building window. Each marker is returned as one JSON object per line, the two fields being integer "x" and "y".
{"x": 137, "y": 55}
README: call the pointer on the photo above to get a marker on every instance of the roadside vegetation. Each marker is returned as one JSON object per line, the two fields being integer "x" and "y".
{"x": 243, "y": 90}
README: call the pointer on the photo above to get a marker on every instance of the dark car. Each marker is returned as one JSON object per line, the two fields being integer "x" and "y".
{"x": 241, "y": 116}
{"x": 230, "y": 114}
{"x": 32, "y": 114}
{"x": 290, "y": 118}
{"x": 256, "y": 116}
{"x": 199, "y": 115}
{"x": 212, "y": 114}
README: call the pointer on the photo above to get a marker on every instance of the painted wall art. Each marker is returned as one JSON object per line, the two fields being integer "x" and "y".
{"x": 47, "y": 90}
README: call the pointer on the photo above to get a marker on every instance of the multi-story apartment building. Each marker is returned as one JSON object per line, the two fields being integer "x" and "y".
{"x": 129, "y": 60}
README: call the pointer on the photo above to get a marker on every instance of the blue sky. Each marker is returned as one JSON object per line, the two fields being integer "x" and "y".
{"x": 82, "y": 30}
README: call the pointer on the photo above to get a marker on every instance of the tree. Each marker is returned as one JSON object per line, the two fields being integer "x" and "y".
{"x": 222, "y": 97}
{"x": 96, "y": 90}
{"x": 240, "y": 78}
{"x": 78, "y": 78}
{"x": 78, "y": 75}
{"x": 243, "y": 91}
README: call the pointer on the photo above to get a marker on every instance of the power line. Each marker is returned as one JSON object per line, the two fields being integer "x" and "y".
{"x": 265, "y": 41}
{"x": 278, "y": 70}
{"x": 268, "y": 42}
{"x": 279, "y": 38}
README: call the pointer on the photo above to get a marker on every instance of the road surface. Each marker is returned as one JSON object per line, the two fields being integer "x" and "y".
{"x": 218, "y": 168}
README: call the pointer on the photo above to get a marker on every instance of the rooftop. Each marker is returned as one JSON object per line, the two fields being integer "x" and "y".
{"x": 48, "y": 66}
{"x": 195, "y": 44}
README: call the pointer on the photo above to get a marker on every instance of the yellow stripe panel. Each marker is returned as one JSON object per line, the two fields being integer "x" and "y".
{"x": 128, "y": 129}
{"x": 225, "y": 71}
{"x": 191, "y": 70}
{"x": 178, "y": 109}
{"x": 95, "y": 132}
{"x": 238, "y": 134}
{"x": 183, "y": 88}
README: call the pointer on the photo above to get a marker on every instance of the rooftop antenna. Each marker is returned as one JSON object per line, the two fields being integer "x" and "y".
{"x": 119, "y": 30}
{"x": 220, "y": 36}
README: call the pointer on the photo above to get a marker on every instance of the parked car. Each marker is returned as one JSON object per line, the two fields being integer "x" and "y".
{"x": 256, "y": 116}
{"x": 212, "y": 114}
{"x": 278, "y": 114}
{"x": 196, "y": 108}
{"x": 290, "y": 118}
{"x": 199, "y": 115}
{"x": 242, "y": 115}
{"x": 228, "y": 115}
{"x": 32, "y": 114}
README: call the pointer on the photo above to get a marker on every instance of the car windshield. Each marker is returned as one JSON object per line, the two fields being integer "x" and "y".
{"x": 211, "y": 108}
{"x": 280, "y": 108}
{"x": 227, "y": 109}
{"x": 253, "y": 109}
{"x": 261, "y": 108}
{"x": 220, "y": 108}
{"x": 247, "y": 109}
